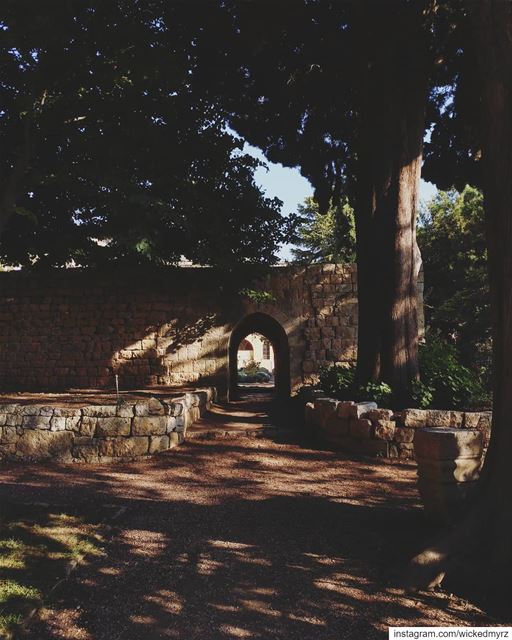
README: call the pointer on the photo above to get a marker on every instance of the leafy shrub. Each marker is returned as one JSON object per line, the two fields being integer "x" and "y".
{"x": 252, "y": 372}
{"x": 422, "y": 394}
{"x": 445, "y": 383}
{"x": 338, "y": 381}
{"x": 378, "y": 392}
{"x": 251, "y": 367}
{"x": 451, "y": 384}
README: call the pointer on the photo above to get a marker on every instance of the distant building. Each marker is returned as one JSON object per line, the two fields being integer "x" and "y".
{"x": 256, "y": 347}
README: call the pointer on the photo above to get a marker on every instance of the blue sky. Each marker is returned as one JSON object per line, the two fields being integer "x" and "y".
{"x": 290, "y": 187}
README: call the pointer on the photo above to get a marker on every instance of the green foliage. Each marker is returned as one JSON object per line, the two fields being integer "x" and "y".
{"x": 451, "y": 384}
{"x": 379, "y": 392}
{"x": 451, "y": 236}
{"x": 445, "y": 382}
{"x": 337, "y": 381}
{"x": 257, "y": 295}
{"x": 327, "y": 237}
{"x": 114, "y": 150}
{"x": 251, "y": 367}
{"x": 422, "y": 394}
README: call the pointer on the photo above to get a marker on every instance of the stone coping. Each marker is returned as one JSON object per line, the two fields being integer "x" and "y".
{"x": 364, "y": 428}
{"x": 138, "y": 425}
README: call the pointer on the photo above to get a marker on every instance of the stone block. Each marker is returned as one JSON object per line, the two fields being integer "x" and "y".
{"x": 405, "y": 450}
{"x": 125, "y": 410}
{"x": 174, "y": 407}
{"x": 360, "y": 428}
{"x": 170, "y": 424}
{"x": 158, "y": 443}
{"x": 384, "y": 429}
{"x": 471, "y": 419}
{"x": 458, "y": 470}
{"x": 67, "y": 412}
{"x": 9, "y": 408}
{"x": 175, "y": 439}
{"x": 36, "y": 422}
{"x": 413, "y": 418}
{"x": 85, "y": 449}
{"x": 447, "y": 444}
{"x": 379, "y": 414}
{"x": 360, "y": 409}
{"x": 3, "y": 419}
{"x": 309, "y": 415}
{"x": 404, "y": 434}
{"x": 344, "y": 408}
{"x": 57, "y": 424}
{"x": 445, "y": 419}
{"x": 88, "y": 425}
{"x": 149, "y": 425}
{"x": 444, "y": 501}
{"x": 325, "y": 407}
{"x": 9, "y": 435}
{"x": 335, "y": 425}
{"x": 99, "y": 411}
{"x": 113, "y": 426}
{"x": 30, "y": 410}
{"x": 34, "y": 444}
{"x": 14, "y": 420}
{"x": 131, "y": 447}
{"x": 73, "y": 423}
{"x": 150, "y": 407}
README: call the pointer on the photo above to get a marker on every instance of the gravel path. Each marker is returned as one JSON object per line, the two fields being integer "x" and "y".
{"x": 242, "y": 538}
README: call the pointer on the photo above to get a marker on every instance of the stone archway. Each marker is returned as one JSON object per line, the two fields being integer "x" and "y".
{"x": 271, "y": 329}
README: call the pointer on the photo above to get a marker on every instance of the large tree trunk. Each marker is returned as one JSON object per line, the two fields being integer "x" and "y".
{"x": 389, "y": 164}
{"x": 483, "y": 541}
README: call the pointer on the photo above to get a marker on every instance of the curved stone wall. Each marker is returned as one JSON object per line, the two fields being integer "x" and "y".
{"x": 99, "y": 433}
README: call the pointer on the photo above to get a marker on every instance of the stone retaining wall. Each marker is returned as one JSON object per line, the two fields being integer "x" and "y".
{"x": 99, "y": 433}
{"x": 363, "y": 428}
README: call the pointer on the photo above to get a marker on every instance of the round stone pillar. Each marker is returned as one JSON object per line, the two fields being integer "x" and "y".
{"x": 449, "y": 462}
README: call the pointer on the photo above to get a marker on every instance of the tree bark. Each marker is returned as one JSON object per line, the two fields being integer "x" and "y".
{"x": 389, "y": 164}
{"x": 482, "y": 541}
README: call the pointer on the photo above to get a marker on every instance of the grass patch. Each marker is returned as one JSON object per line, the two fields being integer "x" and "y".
{"x": 37, "y": 546}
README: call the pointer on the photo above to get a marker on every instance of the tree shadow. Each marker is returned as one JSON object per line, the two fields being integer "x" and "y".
{"x": 242, "y": 540}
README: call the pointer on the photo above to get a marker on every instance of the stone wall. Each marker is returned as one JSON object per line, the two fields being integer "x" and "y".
{"x": 76, "y": 328}
{"x": 363, "y": 428}
{"x": 99, "y": 433}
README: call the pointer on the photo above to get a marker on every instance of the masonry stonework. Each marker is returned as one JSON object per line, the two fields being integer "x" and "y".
{"x": 75, "y": 328}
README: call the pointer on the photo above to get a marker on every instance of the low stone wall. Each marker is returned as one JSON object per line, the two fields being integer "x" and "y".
{"x": 99, "y": 433}
{"x": 364, "y": 428}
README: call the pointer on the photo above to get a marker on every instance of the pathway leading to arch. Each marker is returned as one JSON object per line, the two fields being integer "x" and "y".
{"x": 241, "y": 538}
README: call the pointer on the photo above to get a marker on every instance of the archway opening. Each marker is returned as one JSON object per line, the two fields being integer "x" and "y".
{"x": 261, "y": 337}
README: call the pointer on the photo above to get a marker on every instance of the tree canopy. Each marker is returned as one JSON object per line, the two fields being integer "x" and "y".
{"x": 112, "y": 148}
{"x": 327, "y": 237}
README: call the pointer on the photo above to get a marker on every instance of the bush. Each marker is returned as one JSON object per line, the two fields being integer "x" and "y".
{"x": 252, "y": 372}
{"x": 445, "y": 382}
{"x": 451, "y": 384}
{"x": 338, "y": 381}
{"x": 378, "y": 392}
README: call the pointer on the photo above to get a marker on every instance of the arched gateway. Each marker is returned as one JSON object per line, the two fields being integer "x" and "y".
{"x": 272, "y": 330}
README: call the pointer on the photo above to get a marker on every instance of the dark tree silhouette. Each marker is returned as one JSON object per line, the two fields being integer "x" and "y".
{"x": 480, "y": 545}
{"x": 107, "y": 135}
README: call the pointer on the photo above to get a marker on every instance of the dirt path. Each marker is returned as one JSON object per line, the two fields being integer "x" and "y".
{"x": 242, "y": 538}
